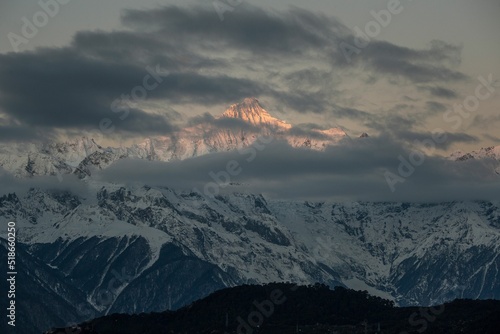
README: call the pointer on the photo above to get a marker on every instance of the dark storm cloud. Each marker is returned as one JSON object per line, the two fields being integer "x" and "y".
{"x": 384, "y": 122}
{"x": 206, "y": 62}
{"x": 388, "y": 123}
{"x": 225, "y": 123}
{"x": 58, "y": 88}
{"x": 352, "y": 113}
{"x": 256, "y": 33}
{"x": 299, "y": 32}
{"x": 416, "y": 73}
{"x": 208, "y": 90}
{"x": 451, "y": 138}
{"x": 293, "y": 32}
{"x": 19, "y": 186}
{"x": 141, "y": 47}
{"x": 441, "y": 92}
{"x": 304, "y": 101}
{"x": 354, "y": 171}
{"x": 120, "y": 46}
{"x": 411, "y": 99}
{"x": 250, "y": 28}
{"x": 492, "y": 138}
{"x": 435, "y": 107}
{"x": 434, "y": 64}
{"x": 309, "y": 77}
{"x": 16, "y": 133}
{"x": 277, "y": 161}
{"x": 308, "y": 130}
{"x": 481, "y": 121}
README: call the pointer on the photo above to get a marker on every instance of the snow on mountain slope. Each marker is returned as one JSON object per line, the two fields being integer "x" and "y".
{"x": 492, "y": 152}
{"x": 490, "y": 155}
{"x": 252, "y": 112}
{"x": 82, "y": 155}
{"x": 26, "y": 160}
{"x": 412, "y": 253}
{"x": 43, "y": 298}
{"x": 389, "y": 244}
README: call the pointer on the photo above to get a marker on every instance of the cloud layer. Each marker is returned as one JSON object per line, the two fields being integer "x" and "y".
{"x": 291, "y": 57}
{"x": 354, "y": 171}
{"x": 132, "y": 82}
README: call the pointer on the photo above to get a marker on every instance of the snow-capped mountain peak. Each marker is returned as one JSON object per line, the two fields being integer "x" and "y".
{"x": 81, "y": 155}
{"x": 492, "y": 152}
{"x": 251, "y": 111}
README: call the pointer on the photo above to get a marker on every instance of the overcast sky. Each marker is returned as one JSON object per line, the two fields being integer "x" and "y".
{"x": 407, "y": 76}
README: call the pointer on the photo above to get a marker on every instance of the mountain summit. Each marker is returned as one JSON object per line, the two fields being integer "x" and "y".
{"x": 250, "y": 110}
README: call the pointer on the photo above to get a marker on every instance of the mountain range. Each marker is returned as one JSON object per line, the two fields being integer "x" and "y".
{"x": 133, "y": 249}
{"x": 142, "y": 250}
{"x": 238, "y": 127}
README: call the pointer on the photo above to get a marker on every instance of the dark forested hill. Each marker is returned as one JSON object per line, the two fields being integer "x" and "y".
{"x": 285, "y": 308}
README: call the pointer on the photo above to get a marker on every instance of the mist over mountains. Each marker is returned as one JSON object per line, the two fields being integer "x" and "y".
{"x": 159, "y": 224}
{"x": 238, "y": 127}
{"x": 272, "y": 156}
{"x": 125, "y": 250}
{"x": 166, "y": 166}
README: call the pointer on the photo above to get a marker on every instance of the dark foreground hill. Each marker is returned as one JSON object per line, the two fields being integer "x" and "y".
{"x": 285, "y": 308}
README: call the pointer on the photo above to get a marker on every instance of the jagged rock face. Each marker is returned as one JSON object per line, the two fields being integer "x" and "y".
{"x": 44, "y": 297}
{"x": 253, "y": 113}
{"x": 492, "y": 152}
{"x": 490, "y": 155}
{"x": 26, "y": 160}
{"x": 146, "y": 249}
{"x": 83, "y": 155}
